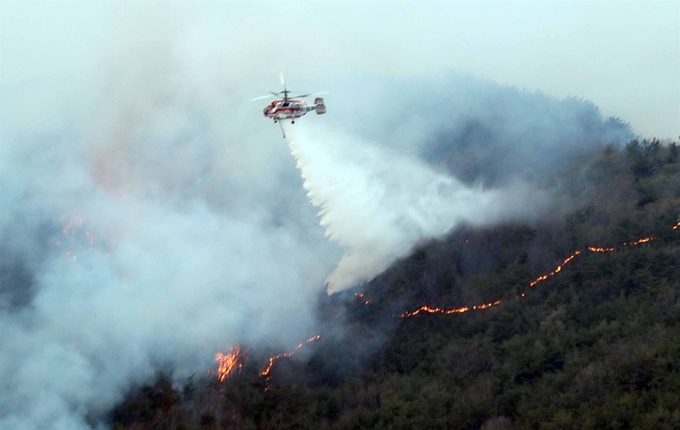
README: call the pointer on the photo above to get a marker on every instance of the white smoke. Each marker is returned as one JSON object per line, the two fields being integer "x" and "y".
{"x": 146, "y": 222}
{"x": 142, "y": 278}
{"x": 377, "y": 204}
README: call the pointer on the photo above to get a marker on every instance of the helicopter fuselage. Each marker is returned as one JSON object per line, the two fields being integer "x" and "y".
{"x": 287, "y": 109}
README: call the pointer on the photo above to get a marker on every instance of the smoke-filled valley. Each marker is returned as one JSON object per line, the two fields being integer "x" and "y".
{"x": 167, "y": 260}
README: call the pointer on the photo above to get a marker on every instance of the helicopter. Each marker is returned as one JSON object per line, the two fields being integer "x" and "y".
{"x": 290, "y": 106}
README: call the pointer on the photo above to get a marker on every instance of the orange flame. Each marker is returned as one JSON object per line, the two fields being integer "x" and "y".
{"x": 595, "y": 249}
{"x": 431, "y": 310}
{"x": 361, "y": 296}
{"x": 557, "y": 270}
{"x": 639, "y": 241}
{"x": 266, "y": 372}
{"x": 228, "y": 363}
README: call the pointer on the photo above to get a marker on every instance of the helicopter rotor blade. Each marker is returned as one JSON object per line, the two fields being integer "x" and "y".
{"x": 263, "y": 97}
{"x": 312, "y": 94}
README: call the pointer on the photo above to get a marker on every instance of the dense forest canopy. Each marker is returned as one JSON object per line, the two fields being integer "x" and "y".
{"x": 593, "y": 344}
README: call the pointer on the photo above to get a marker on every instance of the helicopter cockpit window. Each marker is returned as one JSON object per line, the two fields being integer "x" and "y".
{"x": 286, "y": 104}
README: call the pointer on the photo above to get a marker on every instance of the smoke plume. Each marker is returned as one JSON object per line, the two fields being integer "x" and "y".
{"x": 377, "y": 204}
{"x": 144, "y": 225}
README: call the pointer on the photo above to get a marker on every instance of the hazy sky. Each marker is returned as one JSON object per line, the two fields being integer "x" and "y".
{"x": 622, "y": 55}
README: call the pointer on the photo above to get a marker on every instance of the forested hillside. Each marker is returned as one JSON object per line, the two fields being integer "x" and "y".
{"x": 567, "y": 322}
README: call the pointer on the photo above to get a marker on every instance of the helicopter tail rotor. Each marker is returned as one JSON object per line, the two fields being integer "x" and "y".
{"x": 320, "y": 106}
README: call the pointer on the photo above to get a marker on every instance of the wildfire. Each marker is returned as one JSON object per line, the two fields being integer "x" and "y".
{"x": 557, "y": 270}
{"x": 639, "y": 241}
{"x": 595, "y": 249}
{"x": 229, "y": 363}
{"x": 266, "y": 372}
{"x": 431, "y": 310}
{"x": 361, "y": 296}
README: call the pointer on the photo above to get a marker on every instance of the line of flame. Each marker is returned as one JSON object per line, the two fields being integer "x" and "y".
{"x": 266, "y": 372}
{"x": 431, "y": 310}
{"x": 233, "y": 360}
{"x": 602, "y": 250}
{"x": 639, "y": 241}
{"x": 558, "y": 269}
